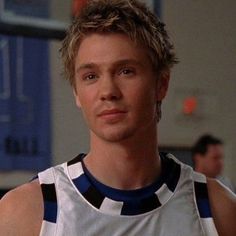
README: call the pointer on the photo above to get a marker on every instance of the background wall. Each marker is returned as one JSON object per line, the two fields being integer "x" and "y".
{"x": 205, "y": 39}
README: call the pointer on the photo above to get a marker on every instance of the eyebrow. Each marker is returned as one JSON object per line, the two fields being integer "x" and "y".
{"x": 116, "y": 63}
{"x": 86, "y": 66}
{"x": 128, "y": 61}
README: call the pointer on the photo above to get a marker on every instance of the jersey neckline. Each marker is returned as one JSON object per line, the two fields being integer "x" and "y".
{"x": 125, "y": 202}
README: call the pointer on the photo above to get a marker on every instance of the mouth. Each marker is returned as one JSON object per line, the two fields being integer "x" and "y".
{"x": 112, "y": 114}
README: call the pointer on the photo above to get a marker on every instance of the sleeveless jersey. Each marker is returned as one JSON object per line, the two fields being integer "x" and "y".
{"x": 73, "y": 206}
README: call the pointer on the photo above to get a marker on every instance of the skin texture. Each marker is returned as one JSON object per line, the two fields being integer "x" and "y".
{"x": 113, "y": 74}
{"x": 21, "y": 211}
{"x": 210, "y": 164}
{"x": 223, "y": 207}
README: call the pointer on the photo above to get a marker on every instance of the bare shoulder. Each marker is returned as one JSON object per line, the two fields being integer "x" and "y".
{"x": 223, "y": 206}
{"x": 21, "y": 210}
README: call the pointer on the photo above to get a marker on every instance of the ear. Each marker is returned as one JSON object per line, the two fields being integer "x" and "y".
{"x": 76, "y": 96}
{"x": 163, "y": 84}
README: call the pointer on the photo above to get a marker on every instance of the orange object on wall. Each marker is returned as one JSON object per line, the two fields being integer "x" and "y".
{"x": 190, "y": 105}
{"x": 77, "y": 5}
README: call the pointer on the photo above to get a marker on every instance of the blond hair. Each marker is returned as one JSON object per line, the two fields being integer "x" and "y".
{"x": 129, "y": 17}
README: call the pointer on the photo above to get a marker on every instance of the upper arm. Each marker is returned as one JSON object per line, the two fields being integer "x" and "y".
{"x": 223, "y": 207}
{"x": 21, "y": 211}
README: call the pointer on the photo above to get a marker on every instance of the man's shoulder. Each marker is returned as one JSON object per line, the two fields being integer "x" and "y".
{"x": 21, "y": 210}
{"x": 223, "y": 206}
{"x": 23, "y": 193}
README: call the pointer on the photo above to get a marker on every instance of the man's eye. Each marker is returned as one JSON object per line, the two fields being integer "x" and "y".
{"x": 127, "y": 71}
{"x": 90, "y": 77}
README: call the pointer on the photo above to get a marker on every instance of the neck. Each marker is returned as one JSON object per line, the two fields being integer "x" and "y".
{"x": 130, "y": 164}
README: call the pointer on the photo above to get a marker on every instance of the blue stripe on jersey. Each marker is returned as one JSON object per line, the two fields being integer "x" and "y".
{"x": 134, "y": 201}
{"x": 50, "y": 211}
{"x": 170, "y": 175}
{"x": 82, "y": 183}
{"x": 202, "y": 199}
{"x": 122, "y": 195}
{"x": 204, "y": 208}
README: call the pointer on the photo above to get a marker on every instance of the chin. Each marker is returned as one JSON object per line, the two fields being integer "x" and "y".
{"x": 115, "y": 135}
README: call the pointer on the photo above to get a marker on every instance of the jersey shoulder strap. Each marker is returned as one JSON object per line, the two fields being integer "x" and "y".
{"x": 203, "y": 204}
{"x": 48, "y": 187}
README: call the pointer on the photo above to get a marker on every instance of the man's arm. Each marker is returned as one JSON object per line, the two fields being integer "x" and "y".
{"x": 223, "y": 207}
{"x": 21, "y": 211}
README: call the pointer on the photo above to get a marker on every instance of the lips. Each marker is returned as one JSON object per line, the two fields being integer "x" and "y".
{"x": 111, "y": 112}
{"x": 112, "y": 116}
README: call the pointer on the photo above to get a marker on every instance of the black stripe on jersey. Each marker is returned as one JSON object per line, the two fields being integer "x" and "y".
{"x": 202, "y": 199}
{"x": 170, "y": 172}
{"x": 141, "y": 207}
{"x": 201, "y": 190}
{"x": 49, "y": 192}
{"x": 50, "y": 202}
{"x": 150, "y": 203}
{"x": 76, "y": 159}
{"x": 94, "y": 196}
{"x": 170, "y": 175}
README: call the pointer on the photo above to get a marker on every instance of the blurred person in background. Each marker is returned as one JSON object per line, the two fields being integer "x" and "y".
{"x": 208, "y": 158}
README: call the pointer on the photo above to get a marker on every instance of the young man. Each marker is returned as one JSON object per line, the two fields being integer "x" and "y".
{"x": 208, "y": 158}
{"x": 118, "y": 57}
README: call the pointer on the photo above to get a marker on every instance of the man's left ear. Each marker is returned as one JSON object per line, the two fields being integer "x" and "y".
{"x": 77, "y": 100}
{"x": 163, "y": 84}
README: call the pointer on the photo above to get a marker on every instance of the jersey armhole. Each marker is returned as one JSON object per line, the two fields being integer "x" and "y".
{"x": 50, "y": 203}
{"x": 201, "y": 199}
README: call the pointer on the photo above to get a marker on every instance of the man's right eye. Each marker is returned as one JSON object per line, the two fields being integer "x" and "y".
{"x": 90, "y": 77}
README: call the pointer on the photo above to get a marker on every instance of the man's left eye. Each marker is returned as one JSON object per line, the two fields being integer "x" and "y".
{"x": 90, "y": 77}
{"x": 127, "y": 71}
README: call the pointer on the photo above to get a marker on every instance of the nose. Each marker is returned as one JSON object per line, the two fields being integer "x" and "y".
{"x": 109, "y": 89}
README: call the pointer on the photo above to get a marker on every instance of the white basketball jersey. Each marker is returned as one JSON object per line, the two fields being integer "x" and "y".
{"x": 176, "y": 205}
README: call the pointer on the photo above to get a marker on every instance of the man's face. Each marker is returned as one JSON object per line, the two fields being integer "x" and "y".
{"x": 116, "y": 87}
{"x": 214, "y": 160}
